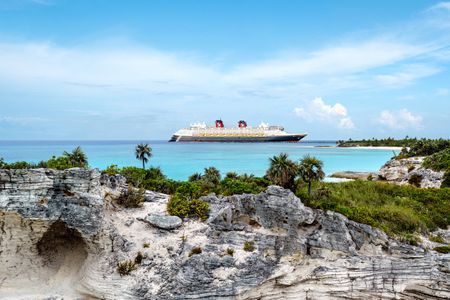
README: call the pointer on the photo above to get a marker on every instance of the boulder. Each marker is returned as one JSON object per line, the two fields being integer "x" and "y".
{"x": 163, "y": 222}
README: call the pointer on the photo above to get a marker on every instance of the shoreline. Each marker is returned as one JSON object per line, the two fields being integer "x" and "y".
{"x": 373, "y": 147}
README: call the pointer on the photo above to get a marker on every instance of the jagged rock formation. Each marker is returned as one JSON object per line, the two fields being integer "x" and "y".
{"x": 61, "y": 235}
{"x": 400, "y": 171}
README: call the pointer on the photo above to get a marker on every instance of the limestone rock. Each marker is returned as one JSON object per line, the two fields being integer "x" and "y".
{"x": 163, "y": 222}
{"x": 400, "y": 171}
{"x": 60, "y": 238}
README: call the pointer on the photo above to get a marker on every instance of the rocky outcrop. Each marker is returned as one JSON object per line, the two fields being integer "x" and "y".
{"x": 61, "y": 235}
{"x": 400, "y": 171}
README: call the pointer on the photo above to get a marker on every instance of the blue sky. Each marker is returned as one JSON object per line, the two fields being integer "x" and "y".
{"x": 103, "y": 69}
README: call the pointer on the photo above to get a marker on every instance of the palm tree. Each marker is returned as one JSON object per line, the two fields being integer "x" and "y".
{"x": 310, "y": 169}
{"x": 143, "y": 152}
{"x": 282, "y": 171}
{"x": 77, "y": 157}
{"x": 195, "y": 177}
{"x": 212, "y": 176}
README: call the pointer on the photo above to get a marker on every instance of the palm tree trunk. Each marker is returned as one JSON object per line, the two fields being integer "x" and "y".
{"x": 143, "y": 164}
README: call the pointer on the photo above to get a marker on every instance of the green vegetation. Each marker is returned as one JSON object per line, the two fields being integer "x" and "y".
{"x": 143, "y": 153}
{"x": 424, "y": 147}
{"x": 439, "y": 161}
{"x": 397, "y": 210}
{"x": 249, "y": 246}
{"x": 436, "y": 238}
{"x": 133, "y": 197}
{"x": 282, "y": 171}
{"x": 125, "y": 267}
{"x": 442, "y": 249}
{"x": 75, "y": 159}
{"x": 195, "y": 250}
{"x": 185, "y": 203}
{"x": 230, "y": 251}
{"x": 388, "y": 142}
{"x": 415, "y": 180}
{"x": 310, "y": 169}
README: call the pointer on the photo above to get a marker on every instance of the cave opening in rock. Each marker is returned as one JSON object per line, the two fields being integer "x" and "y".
{"x": 62, "y": 248}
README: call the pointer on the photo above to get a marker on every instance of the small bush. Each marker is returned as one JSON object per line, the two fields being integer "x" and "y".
{"x": 249, "y": 246}
{"x": 59, "y": 163}
{"x": 184, "y": 203}
{"x": 411, "y": 239}
{"x": 139, "y": 257}
{"x": 411, "y": 168}
{"x": 415, "y": 180}
{"x": 230, "y": 251}
{"x": 146, "y": 245}
{"x": 111, "y": 170}
{"x": 370, "y": 177}
{"x": 132, "y": 197}
{"x": 195, "y": 250}
{"x": 436, "y": 238}
{"x": 442, "y": 249}
{"x": 125, "y": 267}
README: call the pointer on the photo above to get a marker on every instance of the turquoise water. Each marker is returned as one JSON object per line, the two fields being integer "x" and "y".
{"x": 179, "y": 160}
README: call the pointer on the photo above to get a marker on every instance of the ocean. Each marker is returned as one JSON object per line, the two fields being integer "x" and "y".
{"x": 179, "y": 160}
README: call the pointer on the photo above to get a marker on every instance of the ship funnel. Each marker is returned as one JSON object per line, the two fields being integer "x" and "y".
{"x": 242, "y": 124}
{"x": 219, "y": 124}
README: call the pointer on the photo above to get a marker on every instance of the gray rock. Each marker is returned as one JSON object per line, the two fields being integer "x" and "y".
{"x": 163, "y": 222}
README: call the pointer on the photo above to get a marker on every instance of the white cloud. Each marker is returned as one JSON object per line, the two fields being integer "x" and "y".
{"x": 401, "y": 119}
{"x": 407, "y": 75}
{"x": 318, "y": 110}
{"x": 441, "y": 5}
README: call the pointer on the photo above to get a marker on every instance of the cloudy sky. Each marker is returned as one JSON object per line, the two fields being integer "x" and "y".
{"x": 100, "y": 69}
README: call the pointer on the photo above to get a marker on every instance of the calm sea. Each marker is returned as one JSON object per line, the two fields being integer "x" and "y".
{"x": 179, "y": 160}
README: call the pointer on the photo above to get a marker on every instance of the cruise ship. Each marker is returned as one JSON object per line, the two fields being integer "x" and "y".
{"x": 200, "y": 132}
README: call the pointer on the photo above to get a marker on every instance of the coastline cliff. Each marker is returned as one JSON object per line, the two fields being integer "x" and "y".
{"x": 61, "y": 235}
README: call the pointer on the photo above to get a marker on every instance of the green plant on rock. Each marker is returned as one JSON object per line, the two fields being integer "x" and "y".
{"x": 249, "y": 246}
{"x": 436, "y": 238}
{"x": 112, "y": 170}
{"x": 132, "y": 197}
{"x": 59, "y": 163}
{"x": 442, "y": 249}
{"x": 230, "y": 251}
{"x": 126, "y": 267}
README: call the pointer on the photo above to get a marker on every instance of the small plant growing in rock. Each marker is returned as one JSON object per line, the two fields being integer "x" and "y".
{"x": 139, "y": 257}
{"x": 411, "y": 168}
{"x": 411, "y": 239}
{"x": 125, "y": 267}
{"x": 146, "y": 245}
{"x": 436, "y": 238}
{"x": 230, "y": 251}
{"x": 184, "y": 238}
{"x": 442, "y": 249}
{"x": 132, "y": 197}
{"x": 195, "y": 250}
{"x": 249, "y": 246}
{"x": 370, "y": 177}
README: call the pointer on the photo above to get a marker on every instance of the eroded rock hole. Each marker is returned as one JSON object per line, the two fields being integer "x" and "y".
{"x": 62, "y": 247}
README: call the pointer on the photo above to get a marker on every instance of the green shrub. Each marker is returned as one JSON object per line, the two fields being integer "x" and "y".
{"x": 138, "y": 259}
{"x": 442, "y": 249}
{"x": 249, "y": 246}
{"x": 436, "y": 238}
{"x": 146, "y": 245}
{"x": 125, "y": 267}
{"x": 411, "y": 239}
{"x": 446, "y": 180}
{"x": 185, "y": 208}
{"x": 111, "y": 170}
{"x": 195, "y": 250}
{"x": 439, "y": 161}
{"x": 230, "y": 186}
{"x": 411, "y": 168}
{"x": 395, "y": 209}
{"x": 59, "y": 163}
{"x": 230, "y": 251}
{"x": 131, "y": 198}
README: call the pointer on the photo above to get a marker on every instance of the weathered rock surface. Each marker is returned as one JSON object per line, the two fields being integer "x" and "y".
{"x": 163, "y": 222}
{"x": 400, "y": 171}
{"x": 61, "y": 236}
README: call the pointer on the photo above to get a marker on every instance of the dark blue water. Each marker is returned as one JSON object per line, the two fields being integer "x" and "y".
{"x": 179, "y": 160}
